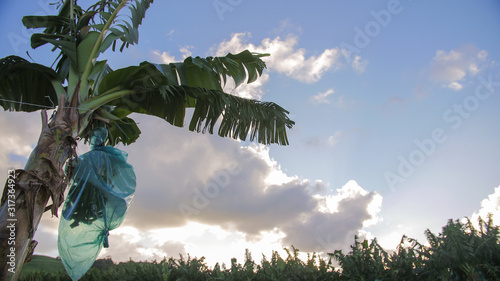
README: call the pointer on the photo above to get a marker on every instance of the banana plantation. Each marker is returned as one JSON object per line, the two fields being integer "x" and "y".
{"x": 461, "y": 251}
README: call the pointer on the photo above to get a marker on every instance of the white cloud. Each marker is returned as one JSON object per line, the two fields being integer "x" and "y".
{"x": 275, "y": 176}
{"x": 165, "y": 57}
{"x": 392, "y": 237}
{"x": 489, "y": 205}
{"x": 359, "y": 64}
{"x": 253, "y": 90}
{"x": 455, "y": 86}
{"x": 453, "y": 68}
{"x": 285, "y": 57}
{"x": 46, "y": 235}
{"x": 374, "y": 208}
{"x": 338, "y": 218}
{"x": 186, "y": 51}
{"x": 170, "y": 33}
{"x": 322, "y": 97}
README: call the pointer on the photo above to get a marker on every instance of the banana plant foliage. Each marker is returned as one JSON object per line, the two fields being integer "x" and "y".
{"x": 108, "y": 97}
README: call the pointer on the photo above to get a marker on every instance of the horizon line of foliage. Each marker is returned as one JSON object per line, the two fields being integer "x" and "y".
{"x": 460, "y": 252}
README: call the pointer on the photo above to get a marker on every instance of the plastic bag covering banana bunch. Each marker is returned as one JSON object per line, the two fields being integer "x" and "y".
{"x": 102, "y": 187}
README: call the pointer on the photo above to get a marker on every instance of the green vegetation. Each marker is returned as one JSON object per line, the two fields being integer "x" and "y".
{"x": 43, "y": 263}
{"x": 460, "y": 252}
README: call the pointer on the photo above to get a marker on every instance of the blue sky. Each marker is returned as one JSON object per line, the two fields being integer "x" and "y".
{"x": 396, "y": 111}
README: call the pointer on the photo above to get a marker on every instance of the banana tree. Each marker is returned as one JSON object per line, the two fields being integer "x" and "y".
{"x": 84, "y": 92}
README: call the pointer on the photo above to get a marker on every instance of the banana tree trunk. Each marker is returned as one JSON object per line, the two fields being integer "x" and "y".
{"x": 27, "y": 192}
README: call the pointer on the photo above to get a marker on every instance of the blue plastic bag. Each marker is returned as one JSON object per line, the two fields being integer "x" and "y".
{"x": 102, "y": 187}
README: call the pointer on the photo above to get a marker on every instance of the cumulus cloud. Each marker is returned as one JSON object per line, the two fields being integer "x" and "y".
{"x": 165, "y": 57}
{"x": 185, "y": 178}
{"x": 453, "y": 68}
{"x": 209, "y": 180}
{"x": 285, "y": 57}
{"x": 229, "y": 186}
{"x": 489, "y": 205}
{"x": 338, "y": 219}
